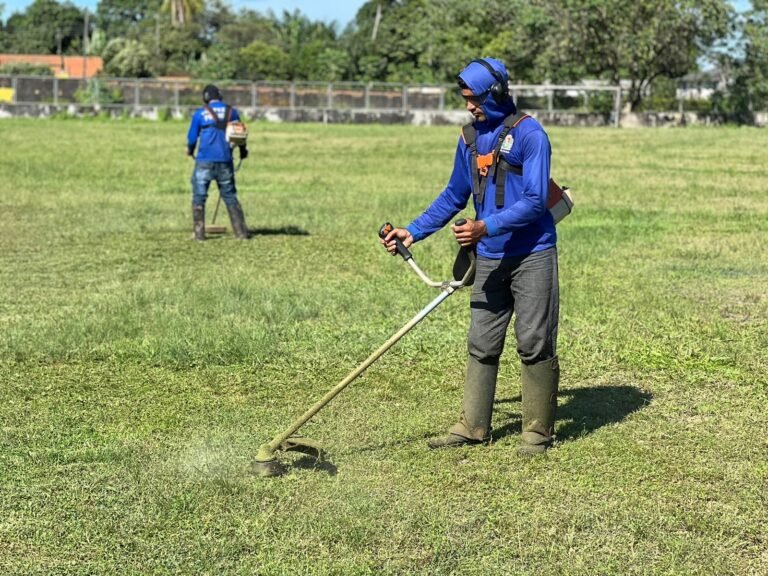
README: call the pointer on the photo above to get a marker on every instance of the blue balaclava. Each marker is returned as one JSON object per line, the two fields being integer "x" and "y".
{"x": 479, "y": 80}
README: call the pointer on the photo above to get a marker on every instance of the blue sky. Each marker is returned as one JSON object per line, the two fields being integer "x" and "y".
{"x": 343, "y": 11}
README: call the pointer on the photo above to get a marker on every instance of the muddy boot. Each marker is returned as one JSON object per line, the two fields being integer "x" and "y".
{"x": 474, "y": 425}
{"x": 237, "y": 218}
{"x": 539, "y": 387}
{"x": 198, "y": 220}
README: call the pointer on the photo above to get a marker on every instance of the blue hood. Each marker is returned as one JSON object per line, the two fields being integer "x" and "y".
{"x": 480, "y": 80}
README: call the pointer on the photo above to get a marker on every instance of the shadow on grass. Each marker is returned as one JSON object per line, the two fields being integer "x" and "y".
{"x": 311, "y": 458}
{"x": 306, "y": 462}
{"x": 580, "y": 411}
{"x": 252, "y": 232}
{"x": 284, "y": 231}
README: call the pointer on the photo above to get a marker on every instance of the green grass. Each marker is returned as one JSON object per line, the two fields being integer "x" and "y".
{"x": 140, "y": 371}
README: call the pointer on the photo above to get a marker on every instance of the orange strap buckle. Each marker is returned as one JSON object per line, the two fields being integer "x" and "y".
{"x": 484, "y": 162}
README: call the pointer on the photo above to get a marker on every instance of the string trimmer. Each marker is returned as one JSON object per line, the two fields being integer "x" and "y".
{"x": 266, "y": 463}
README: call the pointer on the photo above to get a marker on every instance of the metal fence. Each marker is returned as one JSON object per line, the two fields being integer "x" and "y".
{"x": 179, "y": 94}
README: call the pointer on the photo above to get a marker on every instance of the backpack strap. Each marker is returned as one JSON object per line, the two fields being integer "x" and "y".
{"x": 510, "y": 122}
{"x": 220, "y": 124}
{"x": 481, "y": 165}
{"x": 469, "y": 134}
{"x": 507, "y": 167}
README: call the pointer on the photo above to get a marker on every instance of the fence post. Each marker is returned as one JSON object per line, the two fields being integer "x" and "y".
{"x": 550, "y": 100}
{"x": 405, "y": 98}
{"x": 55, "y": 91}
{"x": 617, "y": 118}
{"x": 441, "y": 103}
{"x": 292, "y": 99}
{"x": 136, "y": 94}
{"x": 368, "y": 96}
{"x": 15, "y": 89}
{"x": 330, "y": 95}
{"x": 254, "y": 100}
{"x": 176, "y": 96}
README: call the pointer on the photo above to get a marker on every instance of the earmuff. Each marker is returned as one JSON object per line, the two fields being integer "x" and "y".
{"x": 211, "y": 92}
{"x": 499, "y": 89}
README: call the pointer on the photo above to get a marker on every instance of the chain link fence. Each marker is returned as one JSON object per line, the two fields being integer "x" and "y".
{"x": 180, "y": 94}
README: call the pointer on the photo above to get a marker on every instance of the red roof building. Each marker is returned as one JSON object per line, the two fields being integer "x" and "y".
{"x": 61, "y": 66}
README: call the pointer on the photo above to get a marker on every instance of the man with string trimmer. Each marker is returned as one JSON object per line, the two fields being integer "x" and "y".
{"x": 218, "y": 129}
{"x": 502, "y": 164}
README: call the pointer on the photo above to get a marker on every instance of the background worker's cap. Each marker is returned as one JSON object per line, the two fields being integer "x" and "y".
{"x": 211, "y": 92}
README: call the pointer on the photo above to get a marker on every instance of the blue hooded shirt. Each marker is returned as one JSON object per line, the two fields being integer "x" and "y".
{"x": 213, "y": 142}
{"x": 523, "y": 224}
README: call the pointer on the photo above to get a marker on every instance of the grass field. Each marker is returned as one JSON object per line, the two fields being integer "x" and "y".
{"x": 140, "y": 371}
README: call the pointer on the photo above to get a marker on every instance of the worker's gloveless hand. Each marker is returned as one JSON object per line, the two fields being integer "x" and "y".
{"x": 469, "y": 233}
{"x": 389, "y": 241}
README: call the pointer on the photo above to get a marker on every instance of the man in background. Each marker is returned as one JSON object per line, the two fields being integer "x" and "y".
{"x": 214, "y": 161}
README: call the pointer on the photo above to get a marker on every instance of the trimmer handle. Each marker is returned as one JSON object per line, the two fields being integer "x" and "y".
{"x": 460, "y": 222}
{"x": 401, "y": 249}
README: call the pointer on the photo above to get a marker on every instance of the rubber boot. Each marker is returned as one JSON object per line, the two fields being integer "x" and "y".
{"x": 237, "y": 218}
{"x": 474, "y": 425}
{"x": 198, "y": 221}
{"x": 539, "y": 388}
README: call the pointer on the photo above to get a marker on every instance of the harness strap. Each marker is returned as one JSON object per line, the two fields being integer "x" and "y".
{"x": 507, "y": 167}
{"x": 510, "y": 122}
{"x": 482, "y": 165}
{"x": 219, "y": 124}
{"x": 469, "y": 134}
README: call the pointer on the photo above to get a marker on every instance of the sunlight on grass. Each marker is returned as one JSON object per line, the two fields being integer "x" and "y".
{"x": 140, "y": 371}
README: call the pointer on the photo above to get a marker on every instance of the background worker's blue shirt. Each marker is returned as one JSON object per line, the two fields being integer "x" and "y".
{"x": 213, "y": 142}
{"x": 523, "y": 224}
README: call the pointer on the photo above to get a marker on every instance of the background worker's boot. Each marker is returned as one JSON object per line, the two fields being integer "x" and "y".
{"x": 198, "y": 221}
{"x": 539, "y": 387}
{"x": 237, "y": 218}
{"x": 474, "y": 425}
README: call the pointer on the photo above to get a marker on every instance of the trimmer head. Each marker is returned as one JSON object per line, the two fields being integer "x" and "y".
{"x": 268, "y": 469}
{"x": 266, "y": 465}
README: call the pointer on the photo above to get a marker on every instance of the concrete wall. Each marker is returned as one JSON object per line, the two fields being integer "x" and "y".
{"x": 334, "y": 116}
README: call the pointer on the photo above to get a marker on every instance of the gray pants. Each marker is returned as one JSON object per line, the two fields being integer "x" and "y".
{"x": 526, "y": 286}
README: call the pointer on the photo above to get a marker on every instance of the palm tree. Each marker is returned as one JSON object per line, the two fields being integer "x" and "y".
{"x": 295, "y": 31}
{"x": 182, "y": 11}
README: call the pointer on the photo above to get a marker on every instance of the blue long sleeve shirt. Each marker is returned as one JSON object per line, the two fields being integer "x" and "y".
{"x": 213, "y": 142}
{"x": 523, "y": 224}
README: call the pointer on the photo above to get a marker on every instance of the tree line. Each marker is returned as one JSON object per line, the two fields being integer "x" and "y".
{"x": 648, "y": 43}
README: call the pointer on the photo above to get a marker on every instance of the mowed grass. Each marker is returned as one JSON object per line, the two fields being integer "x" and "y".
{"x": 140, "y": 371}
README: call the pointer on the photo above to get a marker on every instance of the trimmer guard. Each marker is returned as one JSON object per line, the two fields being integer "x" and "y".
{"x": 303, "y": 445}
{"x": 465, "y": 258}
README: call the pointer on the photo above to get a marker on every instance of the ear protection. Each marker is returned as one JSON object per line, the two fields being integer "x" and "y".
{"x": 211, "y": 92}
{"x": 499, "y": 89}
